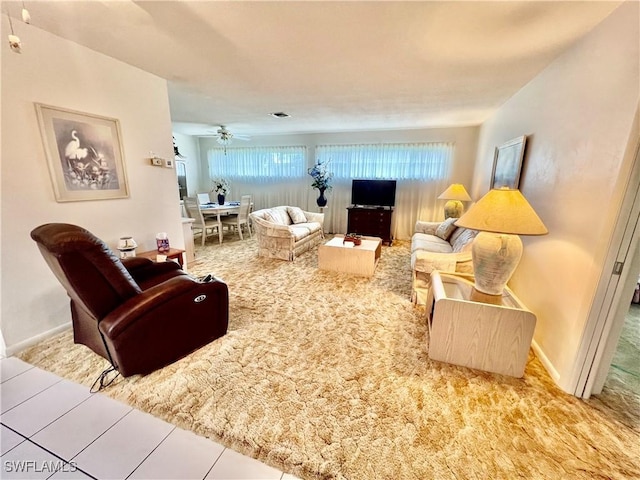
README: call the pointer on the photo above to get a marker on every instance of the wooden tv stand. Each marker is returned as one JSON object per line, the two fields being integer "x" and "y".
{"x": 370, "y": 221}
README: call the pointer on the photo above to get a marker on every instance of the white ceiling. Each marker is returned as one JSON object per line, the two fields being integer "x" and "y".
{"x": 333, "y": 66}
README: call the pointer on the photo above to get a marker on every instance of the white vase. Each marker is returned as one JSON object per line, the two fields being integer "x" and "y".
{"x": 127, "y": 247}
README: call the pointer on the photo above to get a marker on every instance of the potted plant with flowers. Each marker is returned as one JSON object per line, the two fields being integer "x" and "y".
{"x": 321, "y": 180}
{"x": 221, "y": 187}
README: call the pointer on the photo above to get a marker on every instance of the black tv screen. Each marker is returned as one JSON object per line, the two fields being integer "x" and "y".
{"x": 377, "y": 193}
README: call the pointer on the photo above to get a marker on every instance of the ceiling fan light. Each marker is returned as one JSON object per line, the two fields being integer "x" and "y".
{"x": 224, "y": 137}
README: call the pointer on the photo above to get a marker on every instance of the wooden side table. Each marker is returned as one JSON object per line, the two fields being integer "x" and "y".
{"x": 466, "y": 330}
{"x": 172, "y": 254}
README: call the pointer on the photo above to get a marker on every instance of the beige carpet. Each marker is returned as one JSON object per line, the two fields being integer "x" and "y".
{"x": 326, "y": 375}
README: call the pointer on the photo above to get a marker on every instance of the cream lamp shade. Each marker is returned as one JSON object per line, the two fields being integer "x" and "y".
{"x": 456, "y": 194}
{"x": 500, "y": 216}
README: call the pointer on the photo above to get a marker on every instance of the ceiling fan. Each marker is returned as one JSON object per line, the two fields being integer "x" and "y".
{"x": 224, "y": 137}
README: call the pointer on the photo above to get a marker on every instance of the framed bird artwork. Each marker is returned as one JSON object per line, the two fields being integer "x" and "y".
{"x": 84, "y": 153}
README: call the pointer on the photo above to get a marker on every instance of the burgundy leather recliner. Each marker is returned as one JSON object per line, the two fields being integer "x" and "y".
{"x": 138, "y": 314}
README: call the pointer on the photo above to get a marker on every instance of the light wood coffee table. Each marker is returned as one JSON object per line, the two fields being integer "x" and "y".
{"x": 357, "y": 260}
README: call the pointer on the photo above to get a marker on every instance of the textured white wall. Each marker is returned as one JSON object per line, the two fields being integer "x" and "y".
{"x": 58, "y": 72}
{"x": 577, "y": 114}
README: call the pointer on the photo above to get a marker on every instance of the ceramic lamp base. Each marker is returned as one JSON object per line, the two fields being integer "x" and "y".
{"x": 453, "y": 209}
{"x": 495, "y": 257}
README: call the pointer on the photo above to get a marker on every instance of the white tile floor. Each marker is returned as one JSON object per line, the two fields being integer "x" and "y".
{"x": 53, "y": 428}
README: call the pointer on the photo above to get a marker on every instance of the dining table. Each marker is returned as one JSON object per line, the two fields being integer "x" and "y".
{"x": 217, "y": 210}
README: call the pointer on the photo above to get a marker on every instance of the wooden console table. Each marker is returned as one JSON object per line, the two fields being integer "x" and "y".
{"x": 370, "y": 221}
{"x": 466, "y": 330}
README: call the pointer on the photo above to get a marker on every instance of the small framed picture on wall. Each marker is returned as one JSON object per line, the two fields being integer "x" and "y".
{"x": 507, "y": 163}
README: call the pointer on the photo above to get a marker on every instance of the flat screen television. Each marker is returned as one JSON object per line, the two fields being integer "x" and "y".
{"x": 375, "y": 193}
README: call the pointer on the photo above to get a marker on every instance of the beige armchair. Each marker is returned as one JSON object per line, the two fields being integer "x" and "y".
{"x": 438, "y": 246}
{"x": 286, "y": 232}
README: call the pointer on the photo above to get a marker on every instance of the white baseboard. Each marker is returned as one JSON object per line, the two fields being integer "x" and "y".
{"x": 18, "y": 347}
{"x": 546, "y": 363}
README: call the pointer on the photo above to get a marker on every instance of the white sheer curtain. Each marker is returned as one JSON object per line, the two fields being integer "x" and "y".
{"x": 278, "y": 176}
{"x": 421, "y": 170}
{"x": 272, "y": 175}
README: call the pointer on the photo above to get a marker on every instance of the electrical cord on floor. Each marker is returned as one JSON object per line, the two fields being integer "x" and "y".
{"x": 102, "y": 379}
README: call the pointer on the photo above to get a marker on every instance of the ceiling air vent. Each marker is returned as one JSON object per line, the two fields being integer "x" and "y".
{"x": 280, "y": 115}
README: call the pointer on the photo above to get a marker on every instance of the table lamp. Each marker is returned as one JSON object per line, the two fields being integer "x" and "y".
{"x": 456, "y": 194}
{"x": 500, "y": 216}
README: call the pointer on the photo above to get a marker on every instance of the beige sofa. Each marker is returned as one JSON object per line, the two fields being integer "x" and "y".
{"x": 286, "y": 232}
{"x": 438, "y": 246}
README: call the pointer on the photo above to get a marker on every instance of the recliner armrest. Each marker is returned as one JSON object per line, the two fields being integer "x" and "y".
{"x": 142, "y": 269}
{"x": 179, "y": 290}
{"x": 134, "y": 263}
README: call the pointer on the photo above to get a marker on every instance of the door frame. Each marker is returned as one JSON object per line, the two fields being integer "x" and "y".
{"x": 606, "y": 318}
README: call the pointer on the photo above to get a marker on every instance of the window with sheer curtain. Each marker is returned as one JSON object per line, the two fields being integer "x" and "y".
{"x": 258, "y": 163}
{"x": 421, "y": 169}
{"x": 272, "y": 175}
{"x": 401, "y": 161}
{"x": 278, "y": 176}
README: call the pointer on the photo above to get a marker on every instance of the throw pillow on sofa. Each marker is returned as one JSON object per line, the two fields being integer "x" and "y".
{"x": 446, "y": 228}
{"x": 296, "y": 214}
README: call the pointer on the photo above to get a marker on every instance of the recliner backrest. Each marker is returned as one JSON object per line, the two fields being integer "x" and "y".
{"x": 90, "y": 272}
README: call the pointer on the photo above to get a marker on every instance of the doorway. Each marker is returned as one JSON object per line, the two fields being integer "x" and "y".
{"x": 619, "y": 391}
{"x": 181, "y": 170}
{"x": 606, "y": 321}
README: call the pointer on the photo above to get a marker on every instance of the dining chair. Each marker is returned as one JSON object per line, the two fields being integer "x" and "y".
{"x": 242, "y": 218}
{"x": 206, "y": 226}
{"x": 204, "y": 198}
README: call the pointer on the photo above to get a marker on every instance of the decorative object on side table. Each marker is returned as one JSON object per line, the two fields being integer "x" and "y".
{"x": 353, "y": 237}
{"x": 321, "y": 180}
{"x": 456, "y": 194}
{"x": 507, "y": 163}
{"x": 127, "y": 247}
{"x": 220, "y": 186}
{"x": 162, "y": 241}
{"x": 500, "y": 216}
